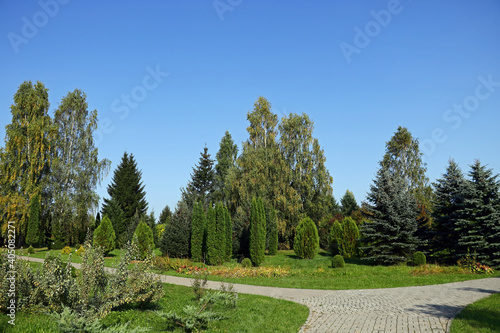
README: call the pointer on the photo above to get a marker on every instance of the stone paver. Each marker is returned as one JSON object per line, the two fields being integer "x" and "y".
{"x": 407, "y": 309}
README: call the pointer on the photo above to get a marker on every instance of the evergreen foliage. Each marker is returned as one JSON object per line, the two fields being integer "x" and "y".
{"x": 98, "y": 220}
{"x": 272, "y": 228}
{"x": 349, "y": 204}
{"x": 104, "y": 236}
{"x": 229, "y": 234}
{"x": 257, "y": 232}
{"x": 176, "y": 238}
{"x": 350, "y": 239}
{"x": 336, "y": 238}
{"x": 306, "y": 241}
{"x": 338, "y": 261}
{"x": 211, "y": 243}
{"x": 33, "y": 233}
{"x": 144, "y": 241}
{"x": 117, "y": 218}
{"x": 201, "y": 186}
{"x": 197, "y": 232}
{"x": 448, "y": 202}
{"x": 419, "y": 258}
{"x": 226, "y": 158}
{"x": 393, "y": 211}
{"x": 165, "y": 215}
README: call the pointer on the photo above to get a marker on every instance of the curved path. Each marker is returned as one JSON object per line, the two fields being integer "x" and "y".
{"x": 406, "y": 309}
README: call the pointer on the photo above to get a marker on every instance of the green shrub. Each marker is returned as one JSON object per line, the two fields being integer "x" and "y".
{"x": 104, "y": 235}
{"x": 338, "y": 261}
{"x": 31, "y": 250}
{"x": 144, "y": 240}
{"x": 80, "y": 251}
{"x": 419, "y": 259}
{"x": 306, "y": 242}
{"x": 336, "y": 235}
{"x": 246, "y": 262}
{"x": 257, "y": 231}
{"x": 66, "y": 250}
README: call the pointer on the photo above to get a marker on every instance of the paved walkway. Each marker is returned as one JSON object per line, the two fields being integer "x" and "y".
{"x": 408, "y": 309}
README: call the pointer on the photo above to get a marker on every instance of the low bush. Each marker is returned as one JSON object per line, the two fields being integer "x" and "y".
{"x": 338, "y": 261}
{"x": 31, "y": 250}
{"x": 419, "y": 258}
{"x": 80, "y": 251}
{"x": 66, "y": 250}
{"x": 246, "y": 262}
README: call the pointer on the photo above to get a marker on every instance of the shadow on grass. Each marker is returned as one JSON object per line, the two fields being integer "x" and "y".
{"x": 477, "y": 319}
{"x": 360, "y": 262}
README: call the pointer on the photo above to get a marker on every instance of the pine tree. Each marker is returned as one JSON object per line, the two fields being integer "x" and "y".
{"x": 26, "y": 157}
{"x": 197, "y": 232}
{"x": 393, "y": 212}
{"x": 104, "y": 236}
{"x": 33, "y": 233}
{"x": 448, "y": 202}
{"x": 349, "y": 204}
{"x": 257, "y": 232}
{"x": 201, "y": 186}
{"x": 176, "y": 238}
{"x": 211, "y": 243}
{"x": 306, "y": 241}
{"x": 127, "y": 190}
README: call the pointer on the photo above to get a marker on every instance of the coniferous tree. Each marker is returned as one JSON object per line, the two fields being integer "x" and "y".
{"x": 336, "y": 238}
{"x": 272, "y": 231}
{"x": 351, "y": 236}
{"x": 211, "y": 243}
{"x": 117, "y": 218}
{"x": 226, "y": 159}
{"x": 97, "y": 220}
{"x": 393, "y": 212}
{"x": 220, "y": 232}
{"x": 306, "y": 241}
{"x": 257, "y": 232}
{"x": 104, "y": 236}
{"x": 33, "y": 233}
{"x": 176, "y": 239}
{"x": 229, "y": 234}
{"x": 448, "y": 202}
{"x": 127, "y": 190}
{"x": 165, "y": 215}
{"x": 349, "y": 204}
{"x": 478, "y": 227}
{"x": 201, "y": 186}
{"x": 197, "y": 232}
{"x": 144, "y": 240}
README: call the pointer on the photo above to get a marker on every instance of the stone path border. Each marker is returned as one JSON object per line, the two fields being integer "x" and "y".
{"x": 405, "y": 309}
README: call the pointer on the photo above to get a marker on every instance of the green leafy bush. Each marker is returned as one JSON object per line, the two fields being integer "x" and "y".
{"x": 104, "y": 235}
{"x": 257, "y": 231}
{"x": 31, "y": 250}
{"x": 246, "y": 262}
{"x": 306, "y": 242}
{"x": 338, "y": 261}
{"x": 419, "y": 259}
{"x": 144, "y": 240}
{"x": 80, "y": 251}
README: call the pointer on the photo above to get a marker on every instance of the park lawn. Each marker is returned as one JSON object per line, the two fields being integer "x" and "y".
{"x": 252, "y": 314}
{"x": 482, "y": 316}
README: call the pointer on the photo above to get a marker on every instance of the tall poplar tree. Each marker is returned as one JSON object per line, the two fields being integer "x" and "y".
{"x": 25, "y": 160}
{"x": 76, "y": 168}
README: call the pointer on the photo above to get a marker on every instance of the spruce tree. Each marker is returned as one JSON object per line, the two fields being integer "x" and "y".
{"x": 349, "y": 204}
{"x": 197, "y": 232}
{"x": 127, "y": 190}
{"x": 33, "y": 233}
{"x": 392, "y": 210}
{"x": 117, "y": 218}
{"x": 165, "y": 215}
{"x": 201, "y": 186}
{"x": 448, "y": 202}
{"x": 176, "y": 239}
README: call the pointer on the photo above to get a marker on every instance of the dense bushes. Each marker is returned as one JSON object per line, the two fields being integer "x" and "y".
{"x": 104, "y": 235}
{"x": 306, "y": 242}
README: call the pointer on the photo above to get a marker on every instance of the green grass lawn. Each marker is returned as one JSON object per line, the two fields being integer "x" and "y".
{"x": 482, "y": 316}
{"x": 252, "y": 314}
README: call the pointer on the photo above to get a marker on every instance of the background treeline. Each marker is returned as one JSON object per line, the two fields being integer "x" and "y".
{"x": 240, "y": 204}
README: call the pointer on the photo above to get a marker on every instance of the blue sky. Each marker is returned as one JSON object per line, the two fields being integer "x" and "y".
{"x": 168, "y": 77}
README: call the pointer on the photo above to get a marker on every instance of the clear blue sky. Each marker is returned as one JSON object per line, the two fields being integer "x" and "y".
{"x": 359, "y": 69}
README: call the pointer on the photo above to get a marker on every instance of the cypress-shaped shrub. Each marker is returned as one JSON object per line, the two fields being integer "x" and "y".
{"x": 336, "y": 238}
{"x": 351, "y": 236}
{"x": 229, "y": 234}
{"x": 419, "y": 258}
{"x": 212, "y": 249}
{"x": 273, "y": 233}
{"x": 143, "y": 239}
{"x": 33, "y": 233}
{"x": 197, "y": 232}
{"x": 104, "y": 235}
{"x": 220, "y": 232}
{"x": 306, "y": 242}
{"x": 257, "y": 232}
{"x": 338, "y": 261}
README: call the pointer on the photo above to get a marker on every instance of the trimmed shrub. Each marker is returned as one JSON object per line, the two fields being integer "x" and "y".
{"x": 336, "y": 235}
{"x": 66, "y": 250}
{"x": 31, "y": 250}
{"x": 144, "y": 241}
{"x": 246, "y": 262}
{"x": 419, "y": 258}
{"x": 104, "y": 235}
{"x": 257, "y": 232}
{"x": 338, "y": 261}
{"x": 33, "y": 233}
{"x": 197, "y": 232}
{"x": 273, "y": 233}
{"x": 306, "y": 242}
